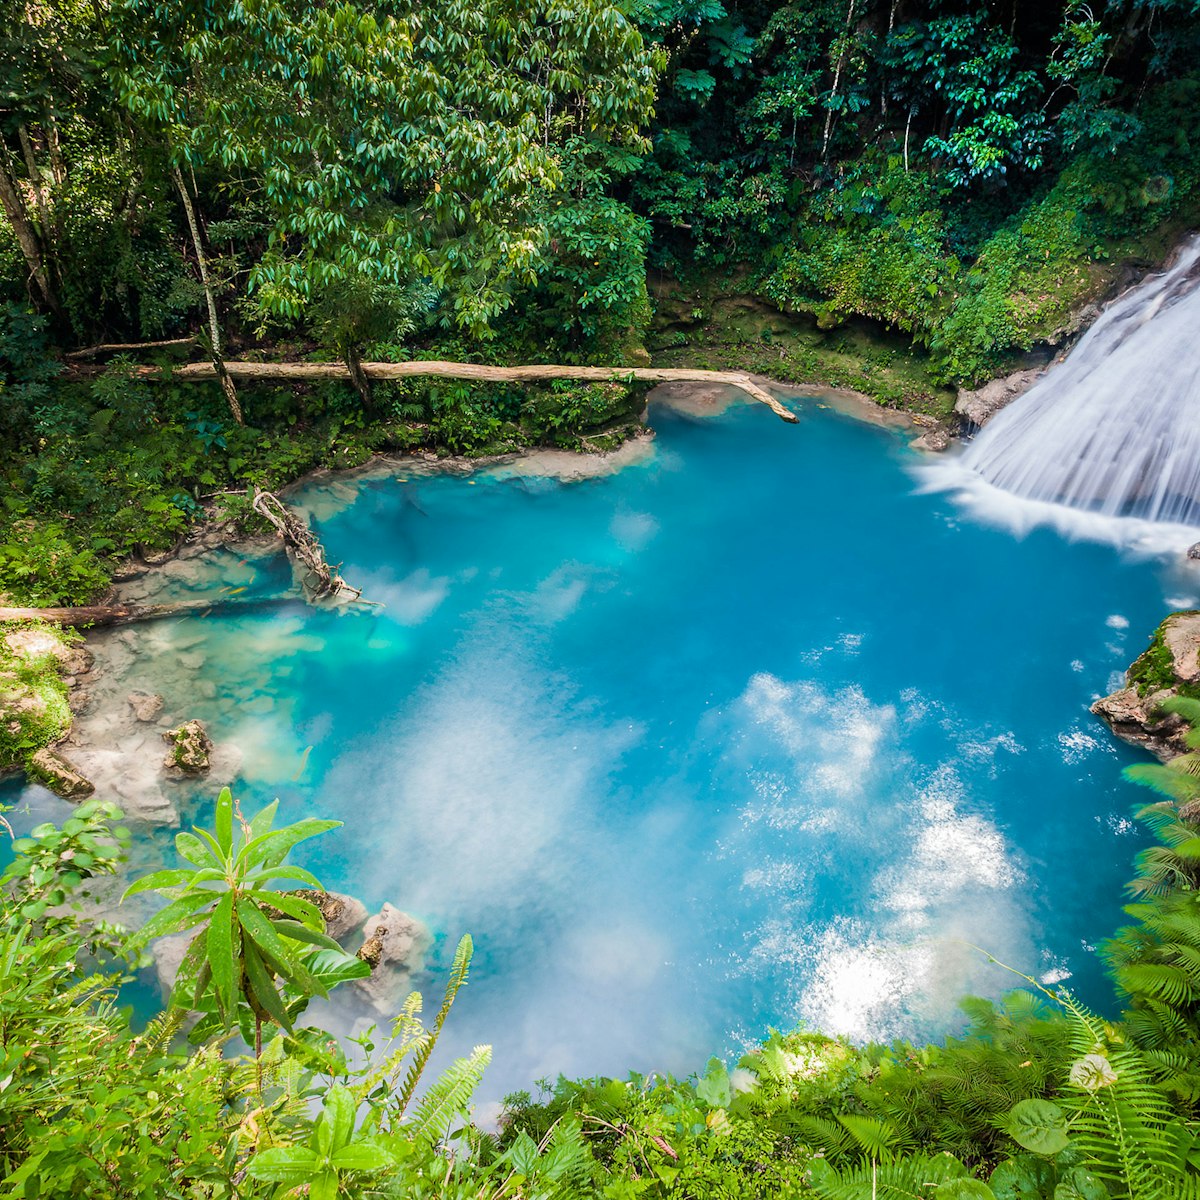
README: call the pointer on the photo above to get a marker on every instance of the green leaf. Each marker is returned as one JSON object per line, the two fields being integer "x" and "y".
{"x": 277, "y": 846}
{"x": 339, "y": 1116}
{"x": 361, "y": 1156}
{"x": 283, "y": 1164}
{"x": 301, "y": 910}
{"x": 188, "y": 846}
{"x": 179, "y": 915}
{"x": 1081, "y": 1184}
{"x": 225, "y": 821}
{"x": 301, "y": 933}
{"x": 332, "y": 967}
{"x": 262, "y": 820}
{"x": 221, "y": 955}
{"x": 324, "y": 1186}
{"x": 1038, "y": 1125}
{"x": 298, "y": 874}
{"x": 283, "y": 959}
{"x": 157, "y": 880}
{"x": 714, "y": 1089}
{"x": 263, "y": 987}
{"x": 963, "y": 1189}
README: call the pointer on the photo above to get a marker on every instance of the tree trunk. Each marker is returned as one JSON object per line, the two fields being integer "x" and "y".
{"x": 32, "y": 247}
{"x": 358, "y": 377}
{"x": 214, "y": 327}
{"x": 126, "y": 614}
{"x": 534, "y": 373}
{"x": 837, "y": 75}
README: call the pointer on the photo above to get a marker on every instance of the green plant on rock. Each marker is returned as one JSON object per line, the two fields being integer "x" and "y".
{"x": 256, "y": 947}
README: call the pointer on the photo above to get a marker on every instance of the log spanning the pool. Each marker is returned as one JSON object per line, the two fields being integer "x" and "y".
{"x": 533, "y": 373}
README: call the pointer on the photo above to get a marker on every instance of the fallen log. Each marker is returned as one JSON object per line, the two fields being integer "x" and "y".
{"x": 533, "y": 373}
{"x": 321, "y": 579}
{"x": 125, "y": 614}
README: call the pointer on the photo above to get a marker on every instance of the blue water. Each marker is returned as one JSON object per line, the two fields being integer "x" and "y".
{"x": 747, "y": 734}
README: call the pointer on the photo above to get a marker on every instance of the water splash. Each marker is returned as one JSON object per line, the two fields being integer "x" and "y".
{"x": 1114, "y": 429}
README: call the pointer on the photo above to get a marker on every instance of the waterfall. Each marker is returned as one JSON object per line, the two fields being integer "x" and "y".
{"x": 1115, "y": 428}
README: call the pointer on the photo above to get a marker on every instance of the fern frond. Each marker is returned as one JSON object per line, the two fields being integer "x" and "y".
{"x": 458, "y": 977}
{"x": 447, "y": 1100}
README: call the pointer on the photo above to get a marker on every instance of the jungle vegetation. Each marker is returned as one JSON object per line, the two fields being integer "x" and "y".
{"x": 1038, "y": 1099}
{"x": 498, "y": 183}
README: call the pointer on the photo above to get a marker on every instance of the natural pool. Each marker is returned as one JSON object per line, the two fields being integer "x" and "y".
{"x": 745, "y": 734}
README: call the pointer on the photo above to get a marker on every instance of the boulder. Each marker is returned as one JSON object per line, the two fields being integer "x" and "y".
{"x": 1169, "y": 667}
{"x": 52, "y": 770}
{"x": 190, "y": 751}
{"x": 168, "y": 953}
{"x": 936, "y": 439}
{"x": 1194, "y": 550}
{"x": 980, "y": 405}
{"x": 394, "y": 947}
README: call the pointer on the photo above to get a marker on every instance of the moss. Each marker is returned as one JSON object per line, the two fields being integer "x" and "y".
{"x": 695, "y": 328}
{"x": 1154, "y": 669}
{"x": 34, "y": 712}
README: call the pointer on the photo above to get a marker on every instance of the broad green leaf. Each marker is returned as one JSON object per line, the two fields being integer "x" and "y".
{"x": 221, "y": 957}
{"x": 224, "y": 821}
{"x": 283, "y": 958}
{"x": 361, "y": 1156}
{"x": 278, "y": 845}
{"x": 176, "y": 877}
{"x": 1038, "y": 1125}
{"x": 324, "y": 1186}
{"x": 188, "y": 846}
{"x": 179, "y": 915}
{"x": 262, "y": 820}
{"x": 298, "y": 874}
{"x": 1081, "y": 1184}
{"x": 263, "y": 986}
{"x": 963, "y": 1189}
{"x": 301, "y": 933}
{"x": 338, "y": 1116}
{"x": 332, "y": 967}
{"x": 283, "y": 1164}
{"x": 303, "y": 911}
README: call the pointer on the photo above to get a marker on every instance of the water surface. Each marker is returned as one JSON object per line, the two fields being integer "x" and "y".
{"x": 747, "y": 734}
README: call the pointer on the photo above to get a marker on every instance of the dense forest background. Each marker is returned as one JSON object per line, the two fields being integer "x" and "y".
{"x": 925, "y": 191}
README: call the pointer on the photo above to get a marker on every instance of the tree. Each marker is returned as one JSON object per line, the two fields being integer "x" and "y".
{"x": 396, "y": 144}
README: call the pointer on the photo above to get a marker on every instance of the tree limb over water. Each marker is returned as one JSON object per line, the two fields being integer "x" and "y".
{"x": 533, "y": 373}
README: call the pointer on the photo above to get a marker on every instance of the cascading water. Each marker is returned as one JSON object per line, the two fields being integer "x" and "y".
{"x": 1114, "y": 429}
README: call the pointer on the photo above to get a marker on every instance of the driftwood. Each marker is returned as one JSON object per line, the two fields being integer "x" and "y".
{"x": 125, "y": 614}
{"x": 123, "y": 347}
{"x": 321, "y": 579}
{"x": 455, "y": 370}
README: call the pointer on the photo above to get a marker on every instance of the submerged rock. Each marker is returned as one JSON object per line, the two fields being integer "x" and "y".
{"x": 1194, "y": 550}
{"x": 52, "y": 770}
{"x": 936, "y": 439}
{"x": 1170, "y": 666}
{"x": 394, "y": 947}
{"x": 146, "y": 707}
{"x": 191, "y": 748}
{"x": 980, "y": 405}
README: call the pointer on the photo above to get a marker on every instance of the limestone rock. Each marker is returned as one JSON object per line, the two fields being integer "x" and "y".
{"x": 191, "y": 748}
{"x": 52, "y": 770}
{"x": 343, "y": 914}
{"x": 1194, "y": 550}
{"x": 146, "y": 707}
{"x": 1169, "y": 667}
{"x": 168, "y": 953}
{"x": 980, "y": 405}
{"x": 394, "y": 947}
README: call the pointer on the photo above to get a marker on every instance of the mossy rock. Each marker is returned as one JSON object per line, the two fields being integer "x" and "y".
{"x": 36, "y": 661}
{"x": 190, "y": 749}
{"x": 1172, "y": 660}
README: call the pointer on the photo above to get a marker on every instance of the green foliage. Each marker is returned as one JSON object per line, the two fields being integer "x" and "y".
{"x": 249, "y": 937}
